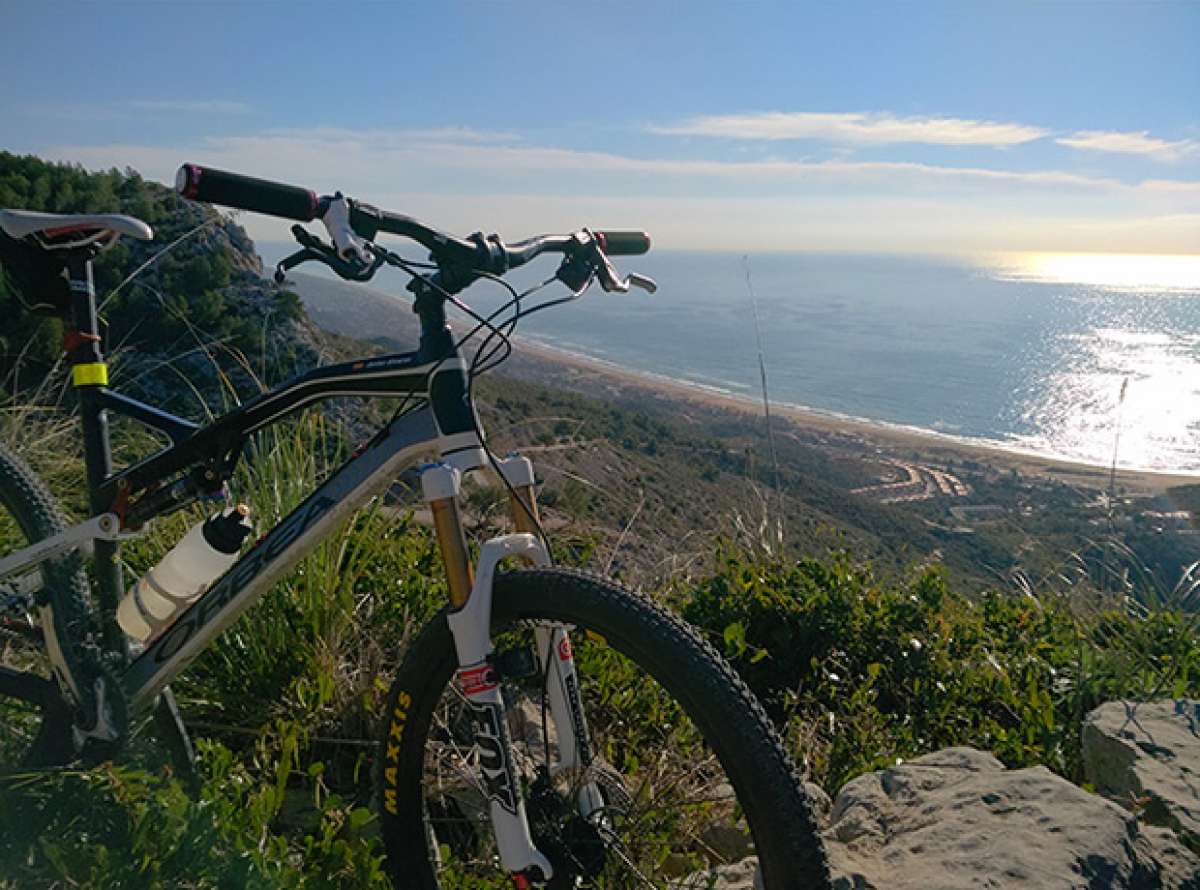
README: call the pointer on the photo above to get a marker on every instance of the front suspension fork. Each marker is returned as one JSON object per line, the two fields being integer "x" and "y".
{"x": 470, "y": 624}
{"x": 553, "y": 645}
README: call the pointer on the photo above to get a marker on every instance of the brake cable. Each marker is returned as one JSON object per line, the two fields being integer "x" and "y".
{"x": 474, "y": 370}
{"x": 577, "y": 271}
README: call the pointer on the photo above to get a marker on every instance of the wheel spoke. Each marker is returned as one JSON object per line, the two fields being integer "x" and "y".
{"x": 669, "y": 816}
{"x": 630, "y": 834}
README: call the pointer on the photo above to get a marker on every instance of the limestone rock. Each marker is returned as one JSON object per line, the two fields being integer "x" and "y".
{"x": 819, "y": 801}
{"x": 737, "y": 876}
{"x": 1178, "y": 866}
{"x": 1146, "y": 757}
{"x": 958, "y": 819}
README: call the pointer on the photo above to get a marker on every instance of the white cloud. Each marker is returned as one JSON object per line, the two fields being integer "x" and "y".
{"x": 466, "y": 181}
{"x": 398, "y": 138}
{"x": 858, "y": 128}
{"x": 347, "y": 159}
{"x": 1140, "y": 143}
{"x": 863, "y": 224}
{"x": 1181, "y": 187}
{"x": 201, "y": 106}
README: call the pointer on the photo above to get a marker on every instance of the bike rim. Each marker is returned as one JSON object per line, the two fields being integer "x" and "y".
{"x": 20, "y": 649}
{"x": 670, "y": 817}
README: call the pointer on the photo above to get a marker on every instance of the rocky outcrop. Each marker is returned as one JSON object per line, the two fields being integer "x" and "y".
{"x": 1146, "y": 757}
{"x": 738, "y": 876}
{"x": 286, "y": 342}
{"x": 287, "y": 347}
{"x": 958, "y": 819}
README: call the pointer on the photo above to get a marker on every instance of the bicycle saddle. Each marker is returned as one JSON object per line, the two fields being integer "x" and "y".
{"x": 58, "y": 231}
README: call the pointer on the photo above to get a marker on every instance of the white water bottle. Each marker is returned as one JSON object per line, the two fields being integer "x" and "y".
{"x": 200, "y": 557}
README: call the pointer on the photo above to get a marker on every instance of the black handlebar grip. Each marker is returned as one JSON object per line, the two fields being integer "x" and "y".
{"x": 623, "y": 243}
{"x": 246, "y": 193}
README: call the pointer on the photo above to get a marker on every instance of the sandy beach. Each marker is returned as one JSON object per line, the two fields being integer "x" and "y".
{"x": 931, "y": 446}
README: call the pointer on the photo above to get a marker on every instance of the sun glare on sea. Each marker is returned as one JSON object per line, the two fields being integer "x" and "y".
{"x": 1119, "y": 368}
{"x": 1118, "y": 270}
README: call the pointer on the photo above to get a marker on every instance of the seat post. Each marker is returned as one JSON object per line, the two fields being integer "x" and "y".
{"x": 89, "y": 375}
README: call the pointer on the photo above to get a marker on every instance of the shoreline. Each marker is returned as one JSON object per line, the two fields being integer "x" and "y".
{"x": 928, "y": 443}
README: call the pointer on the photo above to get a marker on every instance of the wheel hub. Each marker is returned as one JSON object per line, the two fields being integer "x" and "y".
{"x": 575, "y": 847}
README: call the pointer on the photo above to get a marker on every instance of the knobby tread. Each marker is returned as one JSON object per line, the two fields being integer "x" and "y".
{"x": 35, "y": 510}
{"x": 787, "y": 838}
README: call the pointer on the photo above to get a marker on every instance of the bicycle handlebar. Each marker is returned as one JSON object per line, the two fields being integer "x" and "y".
{"x": 247, "y": 193}
{"x": 625, "y": 243}
{"x": 292, "y": 202}
{"x": 352, "y": 224}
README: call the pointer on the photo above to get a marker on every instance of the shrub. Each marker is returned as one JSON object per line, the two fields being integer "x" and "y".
{"x": 865, "y": 673}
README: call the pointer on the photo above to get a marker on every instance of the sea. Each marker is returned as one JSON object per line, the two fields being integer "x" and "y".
{"x": 1088, "y": 357}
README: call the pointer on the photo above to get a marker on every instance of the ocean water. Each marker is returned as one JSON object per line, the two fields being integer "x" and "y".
{"x": 1068, "y": 356}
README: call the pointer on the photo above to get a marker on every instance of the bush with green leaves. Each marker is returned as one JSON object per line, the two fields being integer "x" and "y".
{"x": 864, "y": 673}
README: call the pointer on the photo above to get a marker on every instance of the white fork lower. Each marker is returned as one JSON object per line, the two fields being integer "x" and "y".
{"x": 471, "y": 628}
{"x": 477, "y": 677}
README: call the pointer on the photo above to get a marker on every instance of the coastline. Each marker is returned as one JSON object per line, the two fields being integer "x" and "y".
{"x": 869, "y": 434}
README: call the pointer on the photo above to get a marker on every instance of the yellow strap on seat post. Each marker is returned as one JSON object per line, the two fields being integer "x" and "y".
{"x": 90, "y": 374}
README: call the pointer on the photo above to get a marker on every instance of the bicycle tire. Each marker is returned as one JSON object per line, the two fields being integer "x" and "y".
{"x": 786, "y": 838}
{"x": 39, "y": 736}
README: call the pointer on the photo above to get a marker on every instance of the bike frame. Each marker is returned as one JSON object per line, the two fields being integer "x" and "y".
{"x": 403, "y": 443}
{"x": 445, "y": 426}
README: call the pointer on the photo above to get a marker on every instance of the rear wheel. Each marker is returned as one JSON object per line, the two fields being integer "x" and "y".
{"x": 34, "y": 729}
{"x": 694, "y": 779}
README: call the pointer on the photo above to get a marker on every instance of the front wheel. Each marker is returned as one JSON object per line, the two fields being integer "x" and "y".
{"x": 694, "y": 780}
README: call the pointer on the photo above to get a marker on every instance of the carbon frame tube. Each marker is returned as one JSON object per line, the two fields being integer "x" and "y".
{"x": 397, "y": 375}
{"x": 403, "y": 443}
{"x": 175, "y": 428}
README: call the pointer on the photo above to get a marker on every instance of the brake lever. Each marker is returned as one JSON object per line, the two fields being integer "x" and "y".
{"x": 645, "y": 282}
{"x": 579, "y": 269}
{"x": 300, "y": 256}
{"x": 316, "y": 249}
{"x": 612, "y": 281}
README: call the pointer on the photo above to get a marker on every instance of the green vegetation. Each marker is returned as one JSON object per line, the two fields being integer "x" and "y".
{"x": 859, "y": 671}
{"x": 865, "y": 672}
{"x": 285, "y": 703}
{"x": 125, "y": 827}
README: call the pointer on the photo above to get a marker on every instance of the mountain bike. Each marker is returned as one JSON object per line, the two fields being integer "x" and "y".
{"x": 547, "y": 728}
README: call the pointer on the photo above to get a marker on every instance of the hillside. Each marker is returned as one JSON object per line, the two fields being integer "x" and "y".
{"x": 635, "y": 467}
{"x": 692, "y": 468}
{"x": 198, "y": 314}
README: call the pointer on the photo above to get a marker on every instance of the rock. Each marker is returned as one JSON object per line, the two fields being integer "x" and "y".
{"x": 726, "y": 835}
{"x": 1146, "y": 757}
{"x": 727, "y": 840}
{"x": 738, "y": 876}
{"x": 821, "y": 805}
{"x": 1178, "y": 866}
{"x": 958, "y": 819}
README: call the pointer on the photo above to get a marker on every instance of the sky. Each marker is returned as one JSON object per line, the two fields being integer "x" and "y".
{"x": 896, "y": 127}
